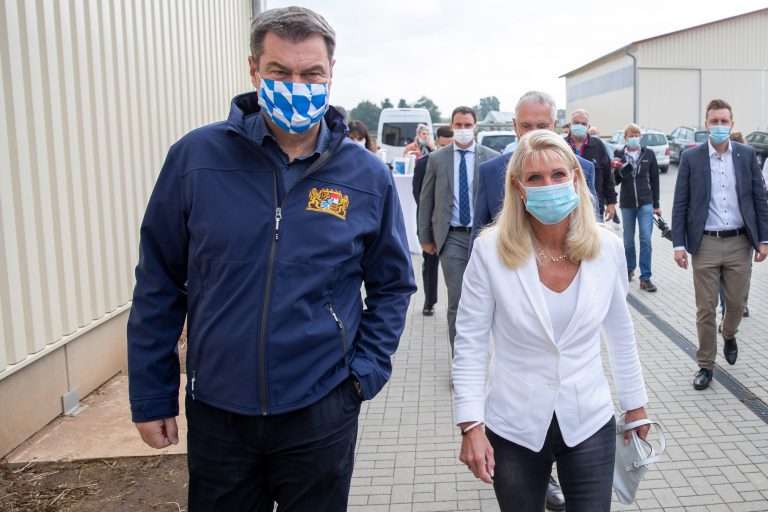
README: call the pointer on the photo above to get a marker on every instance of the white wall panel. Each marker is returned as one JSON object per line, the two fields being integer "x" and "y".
{"x": 669, "y": 98}
{"x": 92, "y": 93}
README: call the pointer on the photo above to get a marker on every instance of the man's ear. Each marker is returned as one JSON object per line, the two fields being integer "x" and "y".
{"x": 253, "y": 70}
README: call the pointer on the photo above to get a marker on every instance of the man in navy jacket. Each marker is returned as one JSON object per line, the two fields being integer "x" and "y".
{"x": 260, "y": 232}
{"x": 534, "y": 111}
{"x": 719, "y": 215}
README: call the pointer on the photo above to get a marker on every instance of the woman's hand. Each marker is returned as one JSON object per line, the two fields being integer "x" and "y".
{"x": 634, "y": 415}
{"x": 477, "y": 454}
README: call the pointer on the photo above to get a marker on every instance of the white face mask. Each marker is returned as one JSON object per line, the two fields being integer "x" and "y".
{"x": 464, "y": 136}
{"x": 361, "y": 142}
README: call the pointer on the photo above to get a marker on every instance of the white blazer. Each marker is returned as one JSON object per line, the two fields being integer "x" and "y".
{"x": 531, "y": 377}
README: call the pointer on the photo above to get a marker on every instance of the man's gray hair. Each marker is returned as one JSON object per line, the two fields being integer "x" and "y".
{"x": 580, "y": 111}
{"x": 296, "y": 24}
{"x": 537, "y": 97}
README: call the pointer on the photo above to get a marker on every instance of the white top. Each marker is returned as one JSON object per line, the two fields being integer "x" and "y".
{"x": 469, "y": 158}
{"x": 562, "y": 305}
{"x": 724, "y": 213}
{"x": 531, "y": 377}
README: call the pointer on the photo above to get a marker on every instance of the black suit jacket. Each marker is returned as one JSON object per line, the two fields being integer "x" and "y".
{"x": 693, "y": 192}
{"x": 419, "y": 170}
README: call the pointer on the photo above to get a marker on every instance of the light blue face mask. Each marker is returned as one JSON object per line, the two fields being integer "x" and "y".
{"x": 579, "y": 130}
{"x": 294, "y": 107}
{"x": 552, "y": 203}
{"x": 633, "y": 142}
{"x": 719, "y": 134}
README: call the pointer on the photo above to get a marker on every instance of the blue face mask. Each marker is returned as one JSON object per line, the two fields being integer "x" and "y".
{"x": 719, "y": 134}
{"x": 579, "y": 131}
{"x": 552, "y": 203}
{"x": 294, "y": 107}
{"x": 633, "y": 142}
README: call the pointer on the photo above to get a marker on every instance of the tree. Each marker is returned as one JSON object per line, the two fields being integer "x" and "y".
{"x": 386, "y": 104}
{"x": 402, "y": 104}
{"x": 487, "y": 104}
{"x": 434, "y": 112}
{"x": 368, "y": 113}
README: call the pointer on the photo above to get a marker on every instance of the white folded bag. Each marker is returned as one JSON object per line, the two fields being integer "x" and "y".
{"x": 633, "y": 459}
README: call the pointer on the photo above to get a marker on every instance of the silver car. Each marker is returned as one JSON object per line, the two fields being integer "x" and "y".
{"x": 654, "y": 140}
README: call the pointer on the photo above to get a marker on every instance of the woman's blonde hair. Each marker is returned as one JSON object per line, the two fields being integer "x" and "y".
{"x": 515, "y": 236}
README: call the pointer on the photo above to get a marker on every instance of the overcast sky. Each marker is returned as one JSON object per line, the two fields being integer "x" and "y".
{"x": 456, "y": 52}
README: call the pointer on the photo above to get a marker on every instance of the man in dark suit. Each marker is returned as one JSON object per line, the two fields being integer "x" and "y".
{"x": 430, "y": 262}
{"x": 445, "y": 204}
{"x": 534, "y": 111}
{"x": 719, "y": 214}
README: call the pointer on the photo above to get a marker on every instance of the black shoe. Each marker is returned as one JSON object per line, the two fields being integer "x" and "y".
{"x": 630, "y": 274}
{"x": 555, "y": 498}
{"x": 428, "y": 311}
{"x": 730, "y": 350}
{"x": 647, "y": 285}
{"x": 702, "y": 379}
{"x": 746, "y": 312}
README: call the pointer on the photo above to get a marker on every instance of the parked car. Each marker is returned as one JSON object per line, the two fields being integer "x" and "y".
{"x": 680, "y": 139}
{"x": 496, "y": 140}
{"x": 654, "y": 140}
{"x": 759, "y": 141}
{"x": 699, "y": 137}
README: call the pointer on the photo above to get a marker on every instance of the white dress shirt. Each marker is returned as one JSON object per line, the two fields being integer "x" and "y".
{"x": 724, "y": 213}
{"x": 532, "y": 376}
{"x": 469, "y": 158}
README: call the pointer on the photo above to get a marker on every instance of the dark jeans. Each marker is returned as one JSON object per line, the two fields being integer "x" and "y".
{"x": 585, "y": 471}
{"x": 429, "y": 277}
{"x": 302, "y": 460}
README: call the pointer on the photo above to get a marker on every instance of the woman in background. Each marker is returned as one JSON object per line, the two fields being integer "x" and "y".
{"x": 359, "y": 133}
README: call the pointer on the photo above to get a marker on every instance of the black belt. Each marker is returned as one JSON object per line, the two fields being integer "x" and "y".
{"x": 725, "y": 234}
{"x": 463, "y": 229}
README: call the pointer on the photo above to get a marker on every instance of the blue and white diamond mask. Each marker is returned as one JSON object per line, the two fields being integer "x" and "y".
{"x": 294, "y": 107}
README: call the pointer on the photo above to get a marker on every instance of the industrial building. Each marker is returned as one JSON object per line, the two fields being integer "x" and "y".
{"x": 666, "y": 81}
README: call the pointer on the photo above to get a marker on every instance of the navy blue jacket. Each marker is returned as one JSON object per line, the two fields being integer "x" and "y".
{"x": 693, "y": 191}
{"x": 490, "y": 191}
{"x": 270, "y": 286}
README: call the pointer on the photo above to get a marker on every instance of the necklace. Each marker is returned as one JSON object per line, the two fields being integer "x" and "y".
{"x": 553, "y": 259}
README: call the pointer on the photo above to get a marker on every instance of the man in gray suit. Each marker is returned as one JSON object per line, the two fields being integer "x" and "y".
{"x": 719, "y": 214}
{"x": 445, "y": 205}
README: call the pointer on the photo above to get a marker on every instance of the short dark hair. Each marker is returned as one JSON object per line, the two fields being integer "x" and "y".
{"x": 445, "y": 131}
{"x": 464, "y": 110}
{"x": 296, "y": 24}
{"x": 717, "y": 105}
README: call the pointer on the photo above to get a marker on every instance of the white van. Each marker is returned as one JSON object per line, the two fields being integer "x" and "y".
{"x": 397, "y": 129}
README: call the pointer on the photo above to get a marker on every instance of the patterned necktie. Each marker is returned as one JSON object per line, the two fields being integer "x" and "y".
{"x": 464, "y": 218}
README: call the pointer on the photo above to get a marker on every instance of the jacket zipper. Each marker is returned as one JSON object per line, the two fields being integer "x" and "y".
{"x": 194, "y": 378}
{"x": 342, "y": 329}
{"x": 265, "y": 304}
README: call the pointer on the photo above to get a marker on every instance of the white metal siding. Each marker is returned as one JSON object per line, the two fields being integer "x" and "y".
{"x": 92, "y": 94}
{"x": 739, "y": 43}
{"x": 669, "y": 98}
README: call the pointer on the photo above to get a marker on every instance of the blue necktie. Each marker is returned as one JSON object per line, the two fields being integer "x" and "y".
{"x": 464, "y": 217}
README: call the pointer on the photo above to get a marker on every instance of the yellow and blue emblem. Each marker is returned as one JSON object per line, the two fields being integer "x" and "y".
{"x": 327, "y": 200}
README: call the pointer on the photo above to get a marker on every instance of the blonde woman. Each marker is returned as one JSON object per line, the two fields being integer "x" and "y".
{"x": 544, "y": 280}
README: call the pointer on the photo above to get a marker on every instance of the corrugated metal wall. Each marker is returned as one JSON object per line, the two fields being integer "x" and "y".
{"x": 92, "y": 93}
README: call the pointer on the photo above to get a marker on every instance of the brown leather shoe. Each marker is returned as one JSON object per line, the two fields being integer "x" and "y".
{"x": 647, "y": 285}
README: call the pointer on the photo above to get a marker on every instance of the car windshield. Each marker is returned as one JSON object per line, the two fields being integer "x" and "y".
{"x": 398, "y": 134}
{"x": 653, "y": 139}
{"x": 498, "y": 142}
{"x": 700, "y": 137}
